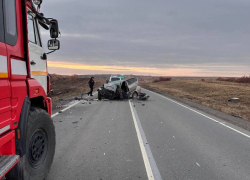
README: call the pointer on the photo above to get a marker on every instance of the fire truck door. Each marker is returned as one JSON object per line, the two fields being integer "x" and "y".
{"x": 38, "y": 64}
{"x": 5, "y": 92}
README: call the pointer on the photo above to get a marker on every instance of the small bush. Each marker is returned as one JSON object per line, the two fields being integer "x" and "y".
{"x": 243, "y": 79}
{"x": 162, "y": 79}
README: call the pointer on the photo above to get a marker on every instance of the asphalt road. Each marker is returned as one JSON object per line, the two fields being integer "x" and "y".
{"x": 154, "y": 139}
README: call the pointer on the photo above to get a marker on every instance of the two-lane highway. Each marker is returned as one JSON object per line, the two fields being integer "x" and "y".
{"x": 154, "y": 139}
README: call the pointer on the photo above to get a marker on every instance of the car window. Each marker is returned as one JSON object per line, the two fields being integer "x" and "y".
{"x": 10, "y": 22}
{"x": 115, "y": 79}
{"x": 130, "y": 81}
{"x": 1, "y": 22}
{"x": 134, "y": 80}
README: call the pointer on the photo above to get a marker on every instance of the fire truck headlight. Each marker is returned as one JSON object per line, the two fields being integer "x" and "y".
{"x": 37, "y": 2}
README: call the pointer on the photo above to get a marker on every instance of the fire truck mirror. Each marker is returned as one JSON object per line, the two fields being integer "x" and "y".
{"x": 54, "y": 30}
{"x": 53, "y": 44}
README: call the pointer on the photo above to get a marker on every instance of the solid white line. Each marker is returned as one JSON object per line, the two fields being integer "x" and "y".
{"x": 221, "y": 123}
{"x": 68, "y": 107}
{"x": 143, "y": 150}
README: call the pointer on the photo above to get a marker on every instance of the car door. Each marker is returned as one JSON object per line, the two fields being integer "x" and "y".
{"x": 38, "y": 63}
{"x": 132, "y": 84}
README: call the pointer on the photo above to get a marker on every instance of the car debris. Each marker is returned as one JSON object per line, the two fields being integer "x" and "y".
{"x": 121, "y": 89}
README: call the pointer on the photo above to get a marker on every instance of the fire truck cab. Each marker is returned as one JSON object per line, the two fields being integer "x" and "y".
{"x": 27, "y": 132}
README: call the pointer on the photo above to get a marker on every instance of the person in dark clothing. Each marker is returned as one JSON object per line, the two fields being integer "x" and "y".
{"x": 91, "y": 86}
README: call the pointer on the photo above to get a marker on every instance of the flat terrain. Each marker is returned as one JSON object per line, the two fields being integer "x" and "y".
{"x": 211, "y": 93}
{"x": 65, "y": 86}
{"x": 154, "y": 139}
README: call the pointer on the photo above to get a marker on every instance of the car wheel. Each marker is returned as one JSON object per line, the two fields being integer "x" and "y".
{"x": 135, "y": 95}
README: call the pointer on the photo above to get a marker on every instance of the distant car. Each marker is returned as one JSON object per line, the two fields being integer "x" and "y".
{"x": 116, "y": 89}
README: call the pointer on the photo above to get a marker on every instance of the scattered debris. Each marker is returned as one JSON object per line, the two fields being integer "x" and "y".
{"x": 234, "y": 99}
{"x": 143, "y": 104}
{"x": 59, "y": 106}
{"x": 143, "y": 96}
{"x": 75, "y": 122}
{"x": 236, "y": 116}
{"x": 78, "y": 98}
{"x": 60, "y": 111}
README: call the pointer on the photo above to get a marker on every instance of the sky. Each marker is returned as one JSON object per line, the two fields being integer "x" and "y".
{"x": 146, "y": 37}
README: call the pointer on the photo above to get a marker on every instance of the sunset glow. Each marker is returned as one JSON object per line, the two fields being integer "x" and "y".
{"x": 69, "y": 68}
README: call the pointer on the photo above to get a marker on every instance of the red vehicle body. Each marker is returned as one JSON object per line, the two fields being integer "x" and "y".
{"x": 22, "y": 98}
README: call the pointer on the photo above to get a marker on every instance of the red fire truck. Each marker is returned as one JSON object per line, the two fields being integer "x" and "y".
{"x": 27, "y": 132}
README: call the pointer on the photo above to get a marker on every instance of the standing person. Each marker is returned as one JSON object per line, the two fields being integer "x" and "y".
{"x": 91, "y": 86}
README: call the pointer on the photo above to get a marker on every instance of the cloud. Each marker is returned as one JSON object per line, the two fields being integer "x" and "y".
{"x": 145, "y": 33}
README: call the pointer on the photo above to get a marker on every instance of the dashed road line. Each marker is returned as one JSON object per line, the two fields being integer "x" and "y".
{"x": 221, "y": 123}
{"x": 149, "y": 162}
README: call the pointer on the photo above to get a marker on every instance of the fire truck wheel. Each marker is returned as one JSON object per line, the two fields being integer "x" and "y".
{"x": 40, "y": 147}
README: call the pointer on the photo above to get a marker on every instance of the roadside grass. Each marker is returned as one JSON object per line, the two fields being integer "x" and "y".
{"x": 212, "y": 93}
{"x": 66, "y": 86}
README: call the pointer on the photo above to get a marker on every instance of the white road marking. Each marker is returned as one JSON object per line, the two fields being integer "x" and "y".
{"x": 198, "y": 164}
{"x": 68, "y": 107}
{"x": 221, "y": 123}
{"x": 148, "y": 158}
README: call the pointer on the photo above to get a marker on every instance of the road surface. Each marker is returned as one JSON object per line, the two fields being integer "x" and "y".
{"x": 154, "y": 139}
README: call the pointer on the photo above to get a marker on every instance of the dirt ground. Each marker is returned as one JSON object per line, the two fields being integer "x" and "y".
{"x": 211, "y": 93}
{"x": 65, "y": 86}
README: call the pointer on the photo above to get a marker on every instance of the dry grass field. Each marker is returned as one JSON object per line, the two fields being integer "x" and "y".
{"x": 65, "y": 86}
{"x": 209, "y": 92}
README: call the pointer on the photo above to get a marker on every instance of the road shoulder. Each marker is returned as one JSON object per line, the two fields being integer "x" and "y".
{"x": 240, "y": 122}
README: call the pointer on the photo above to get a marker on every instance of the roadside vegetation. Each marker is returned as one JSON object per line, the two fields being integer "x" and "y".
{"x": 216, "y": 93}
{"x": 66, "y": 86}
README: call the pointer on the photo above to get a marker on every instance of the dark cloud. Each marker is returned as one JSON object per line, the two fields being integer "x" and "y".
{"x": 152, "y": 33}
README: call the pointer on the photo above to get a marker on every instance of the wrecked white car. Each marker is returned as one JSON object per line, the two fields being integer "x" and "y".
{"x": 121, "y": 89}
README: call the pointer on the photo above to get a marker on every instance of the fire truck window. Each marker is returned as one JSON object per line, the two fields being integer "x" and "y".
{"x": 10, "y": 22}
{"x": 1, "y": 22}
{"x": 31, "y": 30}
{"x": 38, "y": 40}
